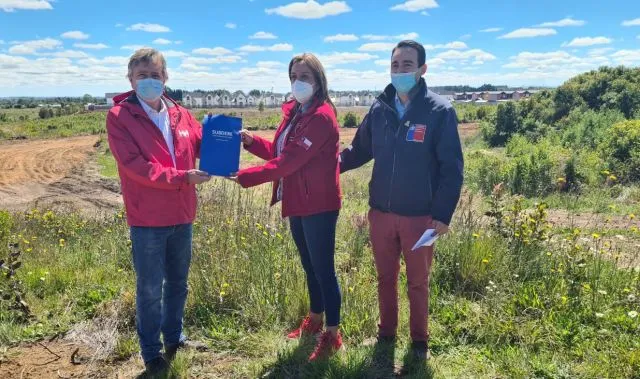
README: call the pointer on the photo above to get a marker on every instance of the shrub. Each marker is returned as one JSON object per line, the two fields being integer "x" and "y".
{"x": 621, "y": 150}
{"x": 350, "y": 120}
{"x": 588, "y": 128}
{"x": 484, "y": 170}
{"x": 533, "y": 169}
{"x": 506, "y": 124}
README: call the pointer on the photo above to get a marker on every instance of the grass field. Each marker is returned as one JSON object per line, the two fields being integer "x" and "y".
{"x": 537, "y": 287}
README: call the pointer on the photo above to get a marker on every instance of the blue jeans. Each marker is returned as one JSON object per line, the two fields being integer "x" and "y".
{"x": 161, "y": 258}
{"x": 315, "y": 237}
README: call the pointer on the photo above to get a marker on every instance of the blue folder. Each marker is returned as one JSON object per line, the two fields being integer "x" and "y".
{"x": 220, "y": 152}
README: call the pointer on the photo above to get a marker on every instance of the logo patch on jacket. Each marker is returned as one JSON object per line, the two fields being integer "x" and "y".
{"x": 304, "y": 143}
{"x": 416, "y": 133}
{"x": 183, "y": 133}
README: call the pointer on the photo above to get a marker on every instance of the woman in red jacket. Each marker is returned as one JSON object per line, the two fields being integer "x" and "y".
{"x": 302, "y": 163}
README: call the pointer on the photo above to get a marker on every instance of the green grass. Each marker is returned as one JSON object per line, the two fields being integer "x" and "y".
{"x": 502, "y": 305}
{"x": 64, "y": 126}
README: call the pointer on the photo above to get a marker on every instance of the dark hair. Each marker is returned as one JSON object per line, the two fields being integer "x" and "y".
{"x": 422, "y": 55}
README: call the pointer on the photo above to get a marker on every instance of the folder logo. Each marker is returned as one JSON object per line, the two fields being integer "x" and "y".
{"x": 222, "y": 134}
{"x": 183, "y": 133}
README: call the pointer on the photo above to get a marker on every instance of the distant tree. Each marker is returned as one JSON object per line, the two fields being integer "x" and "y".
{"x": 261, "y": 106}
{"x": 88, "y": 99}
{"x": 487, "y": 87}
{"x": 255, "y": 93}
{"x": 174, "y": 94}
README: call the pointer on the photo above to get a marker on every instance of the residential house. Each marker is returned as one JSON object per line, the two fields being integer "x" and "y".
{"x": 109, "y": 97}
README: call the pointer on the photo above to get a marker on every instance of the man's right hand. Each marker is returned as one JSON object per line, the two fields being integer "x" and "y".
{"x": 246, "y": 137}
{"x": 197, "y": 177}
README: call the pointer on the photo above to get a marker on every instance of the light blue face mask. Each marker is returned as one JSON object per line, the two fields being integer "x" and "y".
{"x": 404, "y": 82}
{"x": 149, "y": 89}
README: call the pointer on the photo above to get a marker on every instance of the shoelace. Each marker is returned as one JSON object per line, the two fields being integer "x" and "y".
{"x": 325, "y": 340}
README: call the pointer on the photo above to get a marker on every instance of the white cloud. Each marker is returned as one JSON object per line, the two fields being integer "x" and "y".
{"x": 75, "y": 34}
{"x": 161, "y": 41}
{"x": 554, "y": 61}
{"x": 92, "y": 46}
{"x": 382, "y": 62}
{"x": 263, "y": 35}
{"x": 31, "y": 47}
{"x": 561, "y": 23}
{"x": 588, "y": 41}
{"x": 626, "y": 57}
{"x": 10, "y": 62}
{"x": 491, "y": 30}
{"x": 13, "y": 5}
{"x": 106, "y": 61}
{"x": 415, "y": 5}
{"x": 230, "y": 25}
{"x": 455, "y": 45}
{"x": 465, "y": 36}
{"x": 634, "y": 22}
{"x": 1, "y": 42}
{"x": 377, "y": 46}
{"x": 476, "y": 54}
{"x": 399, "y": 37}
{"x": 71, "y": 54}
{"x": 209, "y": 61}
{"x": 174, "y": 54}
{"x": 132, "y": 47}
{"x": 281, "y": 47}
{"x": 119, "y": 25}
{"x": 341, "y": 38}
{"x": 435, "y": 62}
{"x": 270, "y": 64}
{"x": 311, "y": 9}
{"x": 529, "y": 33}
{"x": 150, "y": 28}
{"x": 177, "y": 42}
{"x": 600, "y": 51}
{"x": 333, "y": 59}
{"x": 257, "y": 48}
{"x": 193, "y": 67}
{"x": 424, "y": 13}
{"x": 209, "y": 51}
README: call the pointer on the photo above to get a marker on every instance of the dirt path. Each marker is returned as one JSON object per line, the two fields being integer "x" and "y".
{"x": 54, "y": 173}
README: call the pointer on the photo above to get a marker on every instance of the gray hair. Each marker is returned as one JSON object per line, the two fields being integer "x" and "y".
{"x": 147, "y": 55}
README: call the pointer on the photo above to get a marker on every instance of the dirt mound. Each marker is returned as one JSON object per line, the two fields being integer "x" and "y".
{"x": 54, "y": 174}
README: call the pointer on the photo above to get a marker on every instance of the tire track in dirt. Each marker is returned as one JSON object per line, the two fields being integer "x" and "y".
{"x": 54, "y": 174}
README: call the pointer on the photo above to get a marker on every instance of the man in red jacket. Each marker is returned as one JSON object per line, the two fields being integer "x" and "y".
{"x": 155, "y": 143}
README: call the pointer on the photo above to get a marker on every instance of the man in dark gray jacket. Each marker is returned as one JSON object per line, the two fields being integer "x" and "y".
{"x": 411, "y": 134}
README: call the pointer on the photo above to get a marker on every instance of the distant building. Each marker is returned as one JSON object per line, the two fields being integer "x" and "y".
{"x": 109, "y": 97}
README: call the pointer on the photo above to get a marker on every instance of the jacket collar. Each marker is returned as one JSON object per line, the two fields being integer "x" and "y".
{"x": 130, "y": 98}
{"x": 290, "y": 108}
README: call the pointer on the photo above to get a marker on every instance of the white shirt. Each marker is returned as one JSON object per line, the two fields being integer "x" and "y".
{"x": 161, "y": 120}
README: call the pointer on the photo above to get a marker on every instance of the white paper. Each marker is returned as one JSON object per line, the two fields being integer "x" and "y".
{"x": 427, "y": 239}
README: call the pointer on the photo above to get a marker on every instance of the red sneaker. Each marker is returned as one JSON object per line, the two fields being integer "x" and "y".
{"x": 308, "y": 327}
{"x": 327, "y": 346}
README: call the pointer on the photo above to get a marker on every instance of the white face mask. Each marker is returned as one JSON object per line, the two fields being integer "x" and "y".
{"x": 302, "y": 91}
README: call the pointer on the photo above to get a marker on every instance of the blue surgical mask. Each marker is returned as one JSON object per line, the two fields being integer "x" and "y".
{"x": 149, "y": 89}
{"x": 404, "y": 82}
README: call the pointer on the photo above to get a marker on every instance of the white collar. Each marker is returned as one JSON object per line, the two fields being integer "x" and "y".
{"x": 148, "y": 109}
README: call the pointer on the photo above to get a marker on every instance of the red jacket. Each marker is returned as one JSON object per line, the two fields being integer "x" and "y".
{"x": 155, "y": 192}
{"x": 308, "y": 163}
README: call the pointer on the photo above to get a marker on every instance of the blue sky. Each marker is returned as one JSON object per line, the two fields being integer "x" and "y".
{"x": 72, "y": 47}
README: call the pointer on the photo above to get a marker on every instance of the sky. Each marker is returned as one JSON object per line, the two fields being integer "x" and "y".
{"x": 74, "y": 47}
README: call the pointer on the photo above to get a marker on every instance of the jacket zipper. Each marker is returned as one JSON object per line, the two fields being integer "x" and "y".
{"x": 393, "y": 166}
